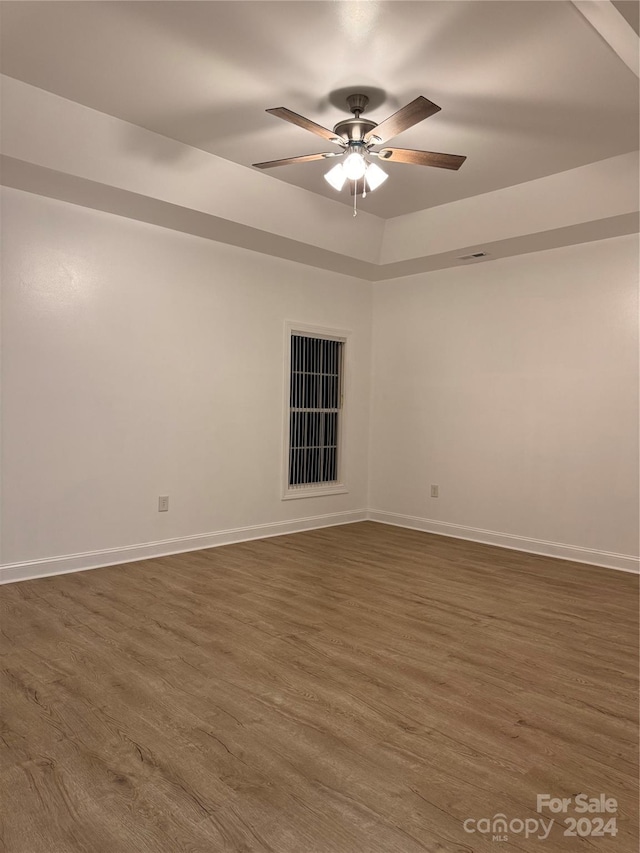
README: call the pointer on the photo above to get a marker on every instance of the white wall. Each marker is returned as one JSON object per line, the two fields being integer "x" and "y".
{"x": 513, "y": 385}
{"x": 138, "y": 362}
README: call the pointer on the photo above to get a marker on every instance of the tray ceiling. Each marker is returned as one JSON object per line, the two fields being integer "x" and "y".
{"x": 527, "y": 89}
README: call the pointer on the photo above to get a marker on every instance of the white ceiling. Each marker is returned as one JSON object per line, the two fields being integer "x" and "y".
{"x": 527, "y": 89}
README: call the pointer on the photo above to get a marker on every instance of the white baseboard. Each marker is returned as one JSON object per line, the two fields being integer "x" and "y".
{"x": 31, "y": 569}
{"x": 623, "y": 562}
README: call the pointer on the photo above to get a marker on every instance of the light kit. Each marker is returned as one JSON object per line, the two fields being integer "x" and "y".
{"x": 354, "y": 171}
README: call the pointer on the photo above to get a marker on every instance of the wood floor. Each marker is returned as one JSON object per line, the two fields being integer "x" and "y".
{"x": 358, "y": 689}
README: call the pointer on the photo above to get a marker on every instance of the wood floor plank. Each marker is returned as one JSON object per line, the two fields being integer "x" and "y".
{"x": 358, "y": 689}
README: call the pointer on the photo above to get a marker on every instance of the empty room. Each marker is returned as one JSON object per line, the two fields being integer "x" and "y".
{"x": 319, "y": 426}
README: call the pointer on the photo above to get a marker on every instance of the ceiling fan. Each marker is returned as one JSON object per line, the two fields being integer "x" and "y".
{"x": 358, "y": 136}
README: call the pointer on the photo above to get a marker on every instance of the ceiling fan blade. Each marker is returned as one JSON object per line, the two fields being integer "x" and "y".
{"x": 418, "y": 110}
{"x": 421, "y": 158}
{"x": 304, "y": 123}
{"x": 305, "y": 158}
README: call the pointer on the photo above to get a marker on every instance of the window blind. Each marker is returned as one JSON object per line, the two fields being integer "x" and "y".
{"x": 314, "y": 410}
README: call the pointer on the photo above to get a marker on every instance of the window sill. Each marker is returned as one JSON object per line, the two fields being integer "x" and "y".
{"x": 312, "y": 492}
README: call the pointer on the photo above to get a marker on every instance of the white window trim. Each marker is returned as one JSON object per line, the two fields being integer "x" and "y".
{"x": 339, "y": 488}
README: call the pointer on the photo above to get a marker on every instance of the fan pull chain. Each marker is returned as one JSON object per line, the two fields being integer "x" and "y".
{"x": 355, "y": 199}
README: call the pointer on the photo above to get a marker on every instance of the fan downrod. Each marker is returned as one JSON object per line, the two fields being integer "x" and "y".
{"x": 353, "y": 130}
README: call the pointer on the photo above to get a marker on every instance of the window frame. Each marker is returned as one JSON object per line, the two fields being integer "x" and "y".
{"x": 311, "y": 490}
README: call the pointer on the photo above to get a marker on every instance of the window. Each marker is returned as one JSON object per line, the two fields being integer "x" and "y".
{"x": 314, "y": 414}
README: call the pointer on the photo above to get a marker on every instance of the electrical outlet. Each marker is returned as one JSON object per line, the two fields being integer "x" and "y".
{"x": 163, "y": 503}
{"x": 434, "y": 491}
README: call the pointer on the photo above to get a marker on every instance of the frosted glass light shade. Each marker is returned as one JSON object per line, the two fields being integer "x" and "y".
{"x": 336, "y": 176}
{"x": 355, "y": 166}
{"x": 375, "y": 176}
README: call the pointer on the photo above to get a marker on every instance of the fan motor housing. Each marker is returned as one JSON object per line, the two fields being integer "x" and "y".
{"x": 354, "y": 129}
